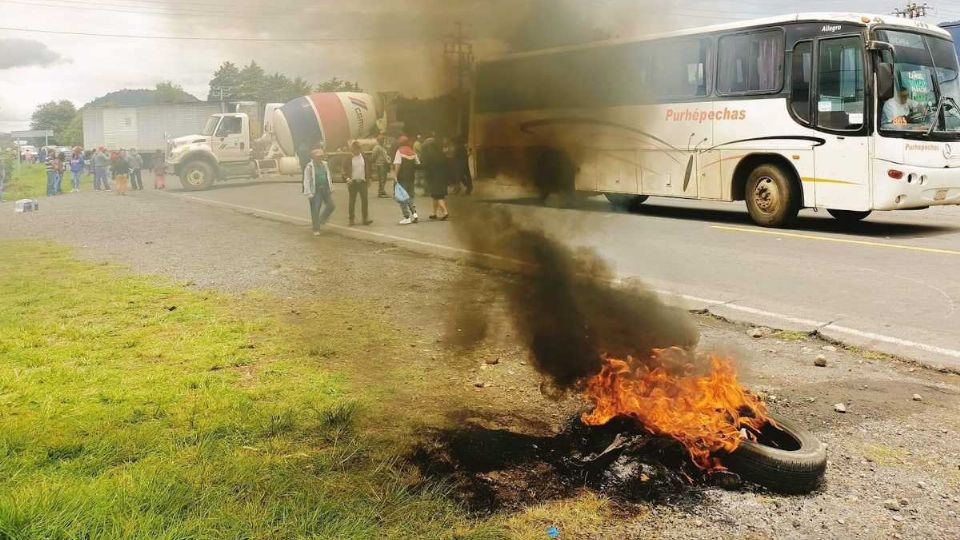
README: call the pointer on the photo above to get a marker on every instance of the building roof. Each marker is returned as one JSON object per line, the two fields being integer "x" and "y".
{"x": 139, "y": 98}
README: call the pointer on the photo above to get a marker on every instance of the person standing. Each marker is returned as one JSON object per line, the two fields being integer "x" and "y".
{"x": 76, "y": 168}
{"x": 49, "y": 160}
{"x": 461, "y": 166}
{"x": 159, "y": 171}
{"x": 381, "y": 165}
{"x": 436, "y": 168}
{"x": 405, "y": 166}
{"x": 318, "y": 187}
{"x": 136, "y": 165}
{"x": 355, "y": 171}
{"x": 121, "y": 171}
{"x": 60, "y": 165}
{"x": 419, "y": 177}
{"x": 101, "y": 163}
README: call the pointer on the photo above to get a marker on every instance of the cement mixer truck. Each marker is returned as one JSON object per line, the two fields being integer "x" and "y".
{"x": 246, "y": 144}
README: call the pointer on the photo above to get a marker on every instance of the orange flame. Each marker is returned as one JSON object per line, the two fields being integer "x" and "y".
{"x": 704, "y": 412}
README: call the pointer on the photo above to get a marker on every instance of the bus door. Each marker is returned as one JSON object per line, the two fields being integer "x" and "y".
{"x": 841, "y": 164}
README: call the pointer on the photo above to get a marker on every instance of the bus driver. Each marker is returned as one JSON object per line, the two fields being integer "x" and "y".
{"x": 897, "y": 109}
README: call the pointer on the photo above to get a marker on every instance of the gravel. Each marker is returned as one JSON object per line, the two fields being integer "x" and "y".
{"x": 884, "y": 449}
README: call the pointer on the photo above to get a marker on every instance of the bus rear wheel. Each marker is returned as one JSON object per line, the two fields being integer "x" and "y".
{"x": 849, "y": 216}
{"x": 622, "y": 201}
{"x": 773, "y": 200}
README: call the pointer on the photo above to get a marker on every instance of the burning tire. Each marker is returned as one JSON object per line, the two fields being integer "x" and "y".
{"x": 785, "y": 459}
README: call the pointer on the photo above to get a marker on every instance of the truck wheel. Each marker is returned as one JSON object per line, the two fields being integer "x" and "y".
{"x": 772, "y": 198}
{"x": 621, "y": 201}
{"x": 849, "y": 216}
{"x": 197, "y": 176}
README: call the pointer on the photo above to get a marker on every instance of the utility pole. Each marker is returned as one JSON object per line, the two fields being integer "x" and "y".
{"x": 912, "y": 10}
{"x": 460, "y": 51}
{"x": 221, "y": 90}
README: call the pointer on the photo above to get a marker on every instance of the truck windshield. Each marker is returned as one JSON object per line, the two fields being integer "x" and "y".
{"x": 926, "y": 86}
{"x": 211, "y": 126}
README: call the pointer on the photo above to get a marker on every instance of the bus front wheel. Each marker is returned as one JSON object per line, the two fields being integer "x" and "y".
{"x": 622, "y": 201}
{"x": 773, "y": 200}
{"x": 849, "y": 216}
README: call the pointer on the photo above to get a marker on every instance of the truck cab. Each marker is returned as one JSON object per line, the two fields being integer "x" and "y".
{"x": 221, "y": 150}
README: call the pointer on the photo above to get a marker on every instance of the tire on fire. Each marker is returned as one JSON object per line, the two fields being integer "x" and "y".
{"x": 197, "y": 176}
{"x": 786, "y": 460}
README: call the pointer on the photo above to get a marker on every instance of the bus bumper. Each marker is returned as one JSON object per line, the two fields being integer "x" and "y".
{"x": 919, "y": 187}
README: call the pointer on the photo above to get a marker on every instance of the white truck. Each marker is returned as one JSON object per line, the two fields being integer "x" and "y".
{"x": 244, "y": 144}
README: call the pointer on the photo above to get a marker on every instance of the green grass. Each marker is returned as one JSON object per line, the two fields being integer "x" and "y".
{"x": 135, "y": 408}
{"x": 30, "y": 182}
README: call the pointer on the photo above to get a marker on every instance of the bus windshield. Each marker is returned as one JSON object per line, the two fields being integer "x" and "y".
{"x": 927, "y": 88}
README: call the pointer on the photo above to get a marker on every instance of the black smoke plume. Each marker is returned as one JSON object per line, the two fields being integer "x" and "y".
{"x": 565, "y": 304}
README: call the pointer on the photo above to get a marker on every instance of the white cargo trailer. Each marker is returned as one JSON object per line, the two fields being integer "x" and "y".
{"x": 146, "y": 128}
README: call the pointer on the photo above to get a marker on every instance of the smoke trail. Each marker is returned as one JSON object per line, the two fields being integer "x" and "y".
{"x": 564, "y": 303}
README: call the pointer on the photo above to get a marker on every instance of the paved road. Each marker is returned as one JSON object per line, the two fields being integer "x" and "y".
{"x": 891, "y": 283}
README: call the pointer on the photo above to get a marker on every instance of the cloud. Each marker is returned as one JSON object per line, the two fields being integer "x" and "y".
{"x": 16, "y": 53}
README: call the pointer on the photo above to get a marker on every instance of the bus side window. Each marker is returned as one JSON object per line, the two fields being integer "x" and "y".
{"x": 800, "y": 71}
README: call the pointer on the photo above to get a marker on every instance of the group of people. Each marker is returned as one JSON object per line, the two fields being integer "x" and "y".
{"x": 434, "y": 164}
{"x": 124, "y": 168}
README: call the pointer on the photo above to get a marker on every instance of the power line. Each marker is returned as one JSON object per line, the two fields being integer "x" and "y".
{"x": 137, "y": 10}
{"x": 201, "y": 38}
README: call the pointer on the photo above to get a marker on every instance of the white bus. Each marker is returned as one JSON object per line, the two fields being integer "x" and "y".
{"x": 846, "y": 112}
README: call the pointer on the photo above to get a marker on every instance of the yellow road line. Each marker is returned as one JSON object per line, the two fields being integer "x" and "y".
{"x": 837, "y": 240}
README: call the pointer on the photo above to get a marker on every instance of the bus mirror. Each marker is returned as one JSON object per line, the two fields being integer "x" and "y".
{"x": 879, "y": 46}
{"x": 884, "y": 81}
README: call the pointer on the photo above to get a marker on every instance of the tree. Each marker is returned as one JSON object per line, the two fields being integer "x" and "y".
{"x": 276, "y": 88}
{"x": 251, "y": 83}
{"x": 168, "y": 92}
{"x": 225, "y": 83}
{"x": 298, "y": 87}
{"x": 72, "y": 134}
{"x": 54, "y": 115}
{"x": 336, "y": 85}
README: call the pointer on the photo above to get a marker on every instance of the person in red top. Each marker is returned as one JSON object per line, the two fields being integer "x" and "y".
{"x": 405, "y": 165}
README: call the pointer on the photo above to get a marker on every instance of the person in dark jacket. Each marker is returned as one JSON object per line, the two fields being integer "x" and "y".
{"x": 436, "y": 168}
{"x": 461, "y": 166}
{"x": 121, "y": 171}
{"x": 356, "y": 170}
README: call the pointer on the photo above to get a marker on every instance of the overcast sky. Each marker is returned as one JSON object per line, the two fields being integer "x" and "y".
{"x": 384, "y": 44}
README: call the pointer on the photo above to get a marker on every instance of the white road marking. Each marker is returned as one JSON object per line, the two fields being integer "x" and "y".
{"x": 820, "y": 325}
